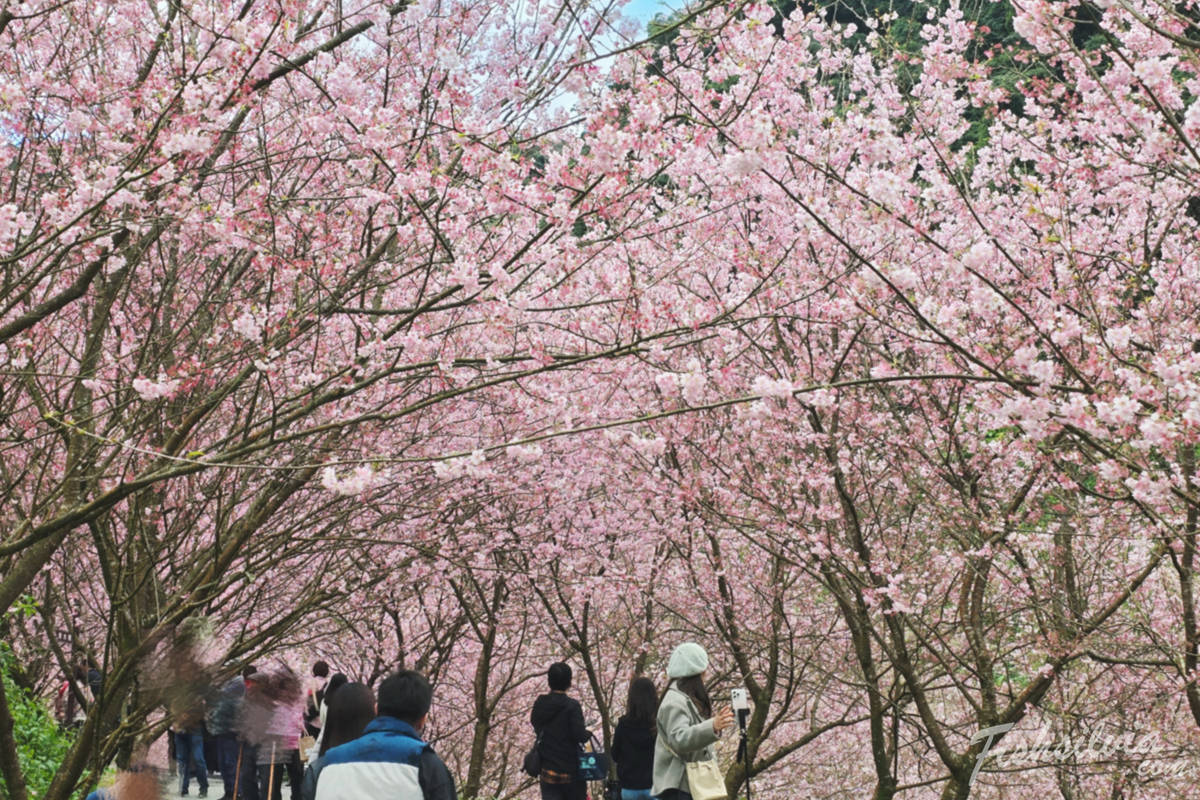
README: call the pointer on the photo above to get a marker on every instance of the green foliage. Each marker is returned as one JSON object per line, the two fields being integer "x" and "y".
{"x": 1009, "y": 62}
{"x": 1001, "y": 433}
{"x": 25, "y": 606}
{"x": 1008, "y": 675}
{"x": 41, "y": 744}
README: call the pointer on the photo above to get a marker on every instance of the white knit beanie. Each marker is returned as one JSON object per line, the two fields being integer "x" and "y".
{"x": 688, "y": 659}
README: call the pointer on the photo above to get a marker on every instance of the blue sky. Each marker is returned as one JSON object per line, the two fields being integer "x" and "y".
{"x": 644, "y": 10}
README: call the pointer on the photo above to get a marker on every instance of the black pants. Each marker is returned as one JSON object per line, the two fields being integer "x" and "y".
{"x": 674, "y": 794}
{"x": 564, "y": 791}
{"x": 247, "y": 772}
{"x": 270, "y": 781}
{"x": 227, "y": 758}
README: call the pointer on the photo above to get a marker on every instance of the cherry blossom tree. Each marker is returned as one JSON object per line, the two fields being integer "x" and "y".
{"x": 471, "y": 337}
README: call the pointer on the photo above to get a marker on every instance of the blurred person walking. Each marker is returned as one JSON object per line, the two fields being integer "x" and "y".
{"x": 187, "y": 720}
{"x": 139, "y": 782}
{"x": 280, "y": 740}
{"x": 252, "y": 718}
{"x": 221, "y": 720}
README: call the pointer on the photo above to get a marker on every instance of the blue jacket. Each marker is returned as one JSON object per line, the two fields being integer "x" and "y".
{"x": 389, "y": 761}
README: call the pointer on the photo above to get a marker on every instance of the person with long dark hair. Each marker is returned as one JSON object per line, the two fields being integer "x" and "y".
{"x": 558, "y": 722}
{"x": 349, "y": 710}
{"x": 336, "y": 682}
{"x": 633, "y": 740}
{"x": 687, "y": 726}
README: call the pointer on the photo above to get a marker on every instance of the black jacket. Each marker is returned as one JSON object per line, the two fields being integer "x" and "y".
{"x": 561, "y": 719}
{"x": 633, "y": 750}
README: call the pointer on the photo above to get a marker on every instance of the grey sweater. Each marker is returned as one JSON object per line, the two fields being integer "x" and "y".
{"x": 682, "y": 729}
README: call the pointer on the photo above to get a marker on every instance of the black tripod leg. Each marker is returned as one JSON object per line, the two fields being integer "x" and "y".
{"x": 743, "y": 755}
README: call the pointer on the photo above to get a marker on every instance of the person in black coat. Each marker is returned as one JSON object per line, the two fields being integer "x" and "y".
{"x": 558, "y": 720}
{"x": 633, "y": 741}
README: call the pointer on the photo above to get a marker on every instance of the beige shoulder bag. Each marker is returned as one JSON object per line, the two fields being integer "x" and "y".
{"x": 705, "y": 780}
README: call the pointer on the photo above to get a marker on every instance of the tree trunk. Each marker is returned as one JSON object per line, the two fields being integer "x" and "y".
{"x": 14, "y": 778}
{"x": 483, "y": 717}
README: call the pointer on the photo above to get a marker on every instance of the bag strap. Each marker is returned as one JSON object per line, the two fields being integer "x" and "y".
{"x": 691, "y": 705}
{"x": 594, "y": 742}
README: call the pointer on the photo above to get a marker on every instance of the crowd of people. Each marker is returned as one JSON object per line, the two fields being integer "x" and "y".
{"x": 653, "y": 742}
{"x": 359, "y": 744}
{"x": 263, "y": 726}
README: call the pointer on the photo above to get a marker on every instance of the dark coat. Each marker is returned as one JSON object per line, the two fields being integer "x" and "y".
{"x": 560, "y": 718}
{"x": 633, "y": 750}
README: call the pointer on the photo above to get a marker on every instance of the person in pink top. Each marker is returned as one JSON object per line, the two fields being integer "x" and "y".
{"x": 278, "y": 750}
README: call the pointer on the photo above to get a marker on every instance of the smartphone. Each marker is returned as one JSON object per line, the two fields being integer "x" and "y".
{"x": 741, "y": 700}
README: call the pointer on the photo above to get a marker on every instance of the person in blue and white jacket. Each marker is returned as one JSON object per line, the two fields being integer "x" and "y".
{"x": 390, "y": 761}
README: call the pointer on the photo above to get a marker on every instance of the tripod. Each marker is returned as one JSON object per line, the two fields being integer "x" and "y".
{"x": 743, "y": 753}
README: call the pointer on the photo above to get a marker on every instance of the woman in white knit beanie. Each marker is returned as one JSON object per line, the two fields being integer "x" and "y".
{"x": 687, "y": 726}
